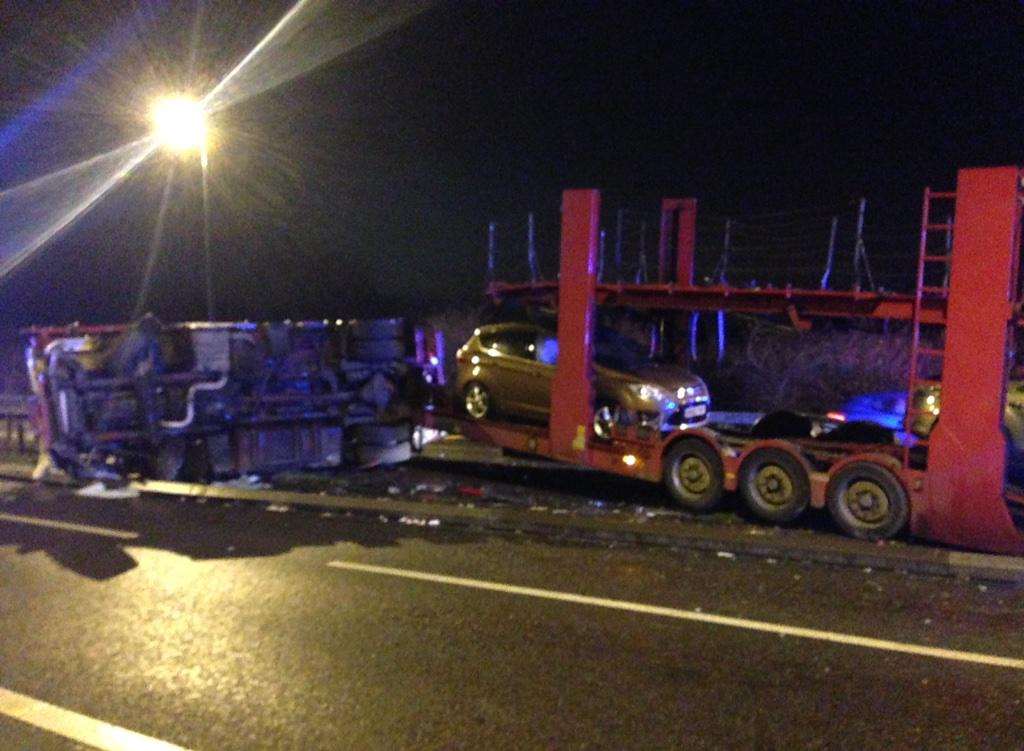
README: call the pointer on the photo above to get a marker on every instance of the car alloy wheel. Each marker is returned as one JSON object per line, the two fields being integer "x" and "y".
{"x": 477, "y": 401}
{"x": 605, "y": 417}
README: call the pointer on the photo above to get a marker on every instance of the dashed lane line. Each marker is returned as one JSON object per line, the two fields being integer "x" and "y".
{"x": 77, "y": 727}
{"x": 118, "y": 534}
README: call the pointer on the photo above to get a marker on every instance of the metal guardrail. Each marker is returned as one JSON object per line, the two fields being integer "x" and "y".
{"x": 16, "y": 431}
{"x": 15, "y": 405}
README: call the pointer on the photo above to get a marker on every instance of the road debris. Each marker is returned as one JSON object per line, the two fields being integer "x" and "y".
{"x": 246, "y": 482}
{"x": 100, "y": 490}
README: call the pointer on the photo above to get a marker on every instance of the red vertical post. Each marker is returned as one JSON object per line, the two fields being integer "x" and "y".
{"x": 665, "y": 238}
{"x": 686, "y": 241}
{"x": 572, "y": 391}
{"x": 684, "y": 211}
{"x": 965, "y": 502}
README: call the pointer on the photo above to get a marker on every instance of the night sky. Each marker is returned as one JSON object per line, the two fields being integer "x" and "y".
{"x": 365, "y": 187}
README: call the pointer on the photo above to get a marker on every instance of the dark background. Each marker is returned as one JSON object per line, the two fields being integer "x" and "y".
{"x": 365, "y": 187}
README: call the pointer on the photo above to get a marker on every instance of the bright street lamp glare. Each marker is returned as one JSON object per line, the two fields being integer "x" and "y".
{"x": 179, "y": 124}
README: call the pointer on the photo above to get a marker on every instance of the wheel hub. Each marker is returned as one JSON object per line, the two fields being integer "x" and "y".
{"x": 694, "y": 475}
{"x": 773, "y": 485}
{"x": 476, "y": 401}
{"x": 867, "y": 501}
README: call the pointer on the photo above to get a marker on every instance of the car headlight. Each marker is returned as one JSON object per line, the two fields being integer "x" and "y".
{"x": 698, "y": 391}
{"x": 648, "y": 392}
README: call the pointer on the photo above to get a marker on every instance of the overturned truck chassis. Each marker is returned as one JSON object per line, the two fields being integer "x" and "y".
{"x": 199, "y": 401}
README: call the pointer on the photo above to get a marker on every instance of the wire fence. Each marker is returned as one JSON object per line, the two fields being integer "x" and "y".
{"x": 835, "y": 247}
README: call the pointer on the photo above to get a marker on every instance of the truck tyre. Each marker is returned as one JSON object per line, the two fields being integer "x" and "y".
{"x": 774, "y": 485}
{"x": 368, "y": 455}
{"x": 693, "y": 474}
{"x": 370, "y": 434}
{"x": 377, "y": 328}
{"x": 867, "y": 501}
{"x": 377, "y": 350}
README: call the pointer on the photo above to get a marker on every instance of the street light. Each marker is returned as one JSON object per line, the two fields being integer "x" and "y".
{"x": 179, "y": 126}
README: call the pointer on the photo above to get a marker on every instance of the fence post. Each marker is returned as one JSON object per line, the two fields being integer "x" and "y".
{"x": 860, "y": 253}
{"x": 618, "y": 246}
{"x": 723, "y": 260}
{"x": 641, "y": 269}
{"x": 831, "y": 253}
{"x": 531, "y": 246}
{"x": 694, "y": 323}
{"x": 492, "y": 249}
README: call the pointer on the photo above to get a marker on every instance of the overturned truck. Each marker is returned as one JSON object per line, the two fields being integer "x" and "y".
{"x": 199, "y": 401}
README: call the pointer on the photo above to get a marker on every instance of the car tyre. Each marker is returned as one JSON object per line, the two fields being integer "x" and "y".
{"x": 693, "y": 474}
{"x": 774, "y": 485}
{"x": 867, "y": 501}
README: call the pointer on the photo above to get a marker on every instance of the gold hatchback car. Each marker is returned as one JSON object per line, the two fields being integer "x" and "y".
{"x": 506, "y": 369}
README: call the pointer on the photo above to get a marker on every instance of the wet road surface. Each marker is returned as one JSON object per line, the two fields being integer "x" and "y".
{"x": 230, "y": 627}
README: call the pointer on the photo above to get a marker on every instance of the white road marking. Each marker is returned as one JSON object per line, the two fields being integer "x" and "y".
{"x": 694, "y": 615}
{"x": 117, "y": 534}
{"x": 77, "y": 727}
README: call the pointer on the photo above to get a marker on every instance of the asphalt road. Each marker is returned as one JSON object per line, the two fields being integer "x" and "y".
{"x": 229, "y": 627}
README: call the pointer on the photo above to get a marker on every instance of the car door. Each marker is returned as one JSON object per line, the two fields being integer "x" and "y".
{"x": 517, "y": 382}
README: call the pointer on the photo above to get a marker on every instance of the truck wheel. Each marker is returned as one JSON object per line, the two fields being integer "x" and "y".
{"x": 377, "y": 328}
{"x": 370, "y": 434}
{"x": 693, "y": 474}
{"x": 377, "y": 350}
{"x": 476, "y": 400}
{"x": 368, "y": 455}
{"x": 867, "y": 501}
{"x": 774, "y": 485}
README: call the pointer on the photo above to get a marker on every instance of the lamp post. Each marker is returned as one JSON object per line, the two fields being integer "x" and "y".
{"x": 180, "y": 127}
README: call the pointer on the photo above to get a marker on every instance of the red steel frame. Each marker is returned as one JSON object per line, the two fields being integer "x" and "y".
{"x": 959, "y": 498}
{"x": 965, "y": 484}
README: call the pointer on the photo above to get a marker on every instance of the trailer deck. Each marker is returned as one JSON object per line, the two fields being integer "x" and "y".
{"x": 950, "y": 487}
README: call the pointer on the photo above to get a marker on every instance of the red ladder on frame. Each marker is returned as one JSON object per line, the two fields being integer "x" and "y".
{"x": 926, "y": 259}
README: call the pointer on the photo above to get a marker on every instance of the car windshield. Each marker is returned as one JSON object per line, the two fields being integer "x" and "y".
{"x": 619, "y": 352}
